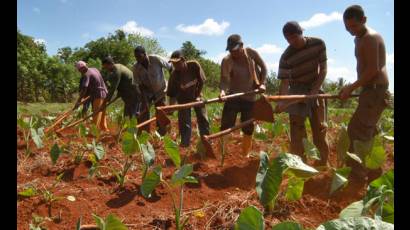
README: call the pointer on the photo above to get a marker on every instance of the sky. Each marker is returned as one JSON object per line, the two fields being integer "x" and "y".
{"x": 207, "y": 24}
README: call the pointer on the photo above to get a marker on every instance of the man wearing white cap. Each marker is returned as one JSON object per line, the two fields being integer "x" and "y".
{"x": 94, "y": 86}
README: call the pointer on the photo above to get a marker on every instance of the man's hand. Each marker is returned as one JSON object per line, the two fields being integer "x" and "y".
{"x": 345, "y": 92}
{"x": 198, "y": 98}
{"x": 262, "y": 88}
{"x": 222, "y": 95}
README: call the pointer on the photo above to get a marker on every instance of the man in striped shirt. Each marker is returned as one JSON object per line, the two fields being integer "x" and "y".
{"x": 302, "y": 70}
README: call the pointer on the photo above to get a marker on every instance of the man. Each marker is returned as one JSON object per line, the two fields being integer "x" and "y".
{"x": 86, "y": 104}
{"x": 149, "y": 76}
{"x": 370, "y": 53}
{"x": 120, "y": 78}
{"x": 241, "y": 70}
{"x": 302, "y": 70}
{"x": 185, "y": 83}
{"x": 93, "y": 85}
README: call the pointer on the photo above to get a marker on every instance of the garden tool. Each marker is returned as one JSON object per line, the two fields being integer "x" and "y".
{"x": 164, "y": 109}
{"x": 262, "y": 110}
{"x": 303, "y": 97}
{"x": 87, "y": 117}
{"x": 60, "y": 118}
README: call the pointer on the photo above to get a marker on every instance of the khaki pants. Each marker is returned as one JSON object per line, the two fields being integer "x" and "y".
{"x": 362, "y": 125}
{"x": 99, "y": 119}
{"x": 318, "y": 125}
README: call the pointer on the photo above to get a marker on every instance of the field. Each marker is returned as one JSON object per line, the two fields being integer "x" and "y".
{"x": 58, "y": 185}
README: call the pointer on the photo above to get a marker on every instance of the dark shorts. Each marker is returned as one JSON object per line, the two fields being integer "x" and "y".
{"x": 232, "y": 108}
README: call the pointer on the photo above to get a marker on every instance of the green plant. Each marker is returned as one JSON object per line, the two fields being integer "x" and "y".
{"x": 178, "y": 179}
{"x": 30, "y": 129}
{"x": 270, "y": 175}
{"x": 378, "y": 201}
{"x": 111, "y": 222}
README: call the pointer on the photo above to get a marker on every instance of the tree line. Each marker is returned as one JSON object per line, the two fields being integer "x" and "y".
{"x": 44, "y": 78}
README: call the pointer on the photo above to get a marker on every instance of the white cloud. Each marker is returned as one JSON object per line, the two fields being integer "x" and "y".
{"x": 334, "y": 73}
{"x": 132, "y": 27}
{"x": 208, "y": 27}
{"x": 218, "y": 58}
{"x": 272, "y": 67}
{"x": 330, "y": 61}
{"x": 40, "y": 41}
{"x": 269, "y": 49}
{"x": 36, "y": 10}
{"x": 320, "y": 19}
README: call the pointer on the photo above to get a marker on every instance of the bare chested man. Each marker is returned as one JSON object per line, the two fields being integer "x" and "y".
{"x": 370, "y": 53}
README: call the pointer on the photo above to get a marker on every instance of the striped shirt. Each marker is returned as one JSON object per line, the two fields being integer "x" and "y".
{"x": 302, "y": 65}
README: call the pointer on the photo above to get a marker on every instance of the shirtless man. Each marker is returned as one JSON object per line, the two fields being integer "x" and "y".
{"x": 370, "y": 53}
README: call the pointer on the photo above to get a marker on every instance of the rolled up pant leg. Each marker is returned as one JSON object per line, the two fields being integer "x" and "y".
{"x": 99, "y": 119}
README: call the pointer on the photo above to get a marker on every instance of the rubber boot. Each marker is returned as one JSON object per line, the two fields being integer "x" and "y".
{"x": 246, "y": 145}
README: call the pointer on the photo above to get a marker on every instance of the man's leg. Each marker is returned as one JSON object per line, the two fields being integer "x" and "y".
{"x": 161, "y": 130}
{"x": 184, "y": 125}
{"x": 319, "y": 128}
{"x": 362, "y": 125}
{"x": 228, "y": 119}
{"x": 202, "y": 120}
{"x": 246, "y": 114}
{"x": 99, "y": 118}
{"x": 297, "y": 133}
{"x": 143, "y": 117}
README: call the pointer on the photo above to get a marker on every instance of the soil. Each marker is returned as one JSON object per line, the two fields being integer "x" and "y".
{"x": 214, "y": 203}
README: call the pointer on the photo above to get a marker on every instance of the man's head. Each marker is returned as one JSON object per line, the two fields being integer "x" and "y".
{"x": 81, "y": 66}
{"x": 108, "y": 63}
{"x": 235, "y": 45}
{"x": 178, "y": 60}
{"x": 140, "y": 54}
{"x": 293, "y": 34}
{"x": 354, "y": 20}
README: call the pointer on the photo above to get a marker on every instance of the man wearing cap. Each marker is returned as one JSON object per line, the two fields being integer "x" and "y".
{"x": 241, "y": 70}
{"x": 302, "y": 70}
{"x": 120, "y": 78}
{"x": 149, "y": 76}
{"x": 185, "y": 83}
{"x": 372, "y": 77}
{"x": 93, "y": 85}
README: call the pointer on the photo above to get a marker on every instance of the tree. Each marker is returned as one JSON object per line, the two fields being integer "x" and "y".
{"x": 190, "y": 51}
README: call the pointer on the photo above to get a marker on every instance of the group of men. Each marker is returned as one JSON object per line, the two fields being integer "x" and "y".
{"x": 302, "y": 70}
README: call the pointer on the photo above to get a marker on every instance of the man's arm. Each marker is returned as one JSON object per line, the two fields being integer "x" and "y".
{"x": 264, "y": 71}
{"x": 321, "y": 78}
{"x": 370, "y": 60}
{"x": 115, "y": 77}
{"x": 201, "y": 79}
{"x": 224, "y": 83}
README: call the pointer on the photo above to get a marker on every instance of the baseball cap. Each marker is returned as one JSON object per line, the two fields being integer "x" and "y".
{"x": 234, "y": 42}
{"x": 292, "y": 27}
{"x": 176, "y": 56}
{"x": 80, "y": 64}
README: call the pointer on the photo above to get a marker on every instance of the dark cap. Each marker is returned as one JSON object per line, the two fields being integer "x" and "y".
{"x": 292, "y": 27}
{"x": 233, "y": 41}
{"x": 108, "y": 60}
{"x": 176, "y": 56}
{"x": 139, "y": 50}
